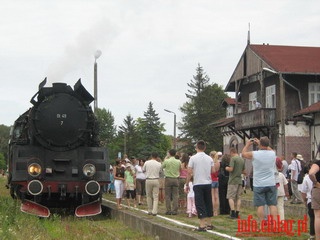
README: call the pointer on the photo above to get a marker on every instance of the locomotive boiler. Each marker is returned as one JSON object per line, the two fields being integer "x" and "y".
{"x": 54, "y": 156}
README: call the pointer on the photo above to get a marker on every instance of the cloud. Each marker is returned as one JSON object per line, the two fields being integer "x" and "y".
{"x": 81, "y": 51}
{"x": 150, "y": 49}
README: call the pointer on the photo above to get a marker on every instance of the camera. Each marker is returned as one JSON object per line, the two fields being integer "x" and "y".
{"x": 251, "y": 140}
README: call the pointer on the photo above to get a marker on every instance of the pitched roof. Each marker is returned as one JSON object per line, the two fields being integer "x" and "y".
{"x": 289, "y": 59}
{"x": 313, "y": 108}
{"x": 230, "y": 101}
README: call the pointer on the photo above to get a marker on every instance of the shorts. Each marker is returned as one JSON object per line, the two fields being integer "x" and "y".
{"x": 215, "y": 185}
{"x": 264, "y": 196}
{"x": 234, "y": 191}
{"x": 141, "y": 187}
{"x": 315, "y": 198}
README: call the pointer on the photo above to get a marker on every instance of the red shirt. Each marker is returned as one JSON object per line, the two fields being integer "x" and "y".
{"x": 214, "y": 176}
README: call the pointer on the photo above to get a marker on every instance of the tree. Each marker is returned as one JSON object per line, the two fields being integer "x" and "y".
{"x": 107, "y": 129}
{"x": 128, "y": 133}
{"x": 199, "y": 82}
{"x": 150, "y": 134}
{"x": 201, "y": 109}
{"x": 3, "y": 165}
{"x": 4, "y": 139}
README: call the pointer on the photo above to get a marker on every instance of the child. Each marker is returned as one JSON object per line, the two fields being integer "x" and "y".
{"x": 191, "y": 208}
{"x": 130, "y": 185}
{"x": 111, "y": 184}
{"x": 282, "y": 184}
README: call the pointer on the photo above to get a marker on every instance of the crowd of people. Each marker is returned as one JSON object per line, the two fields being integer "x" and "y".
{"x": 205, "y": 185}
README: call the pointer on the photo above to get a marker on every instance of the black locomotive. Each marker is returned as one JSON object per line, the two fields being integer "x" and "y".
{"x": 54, "y": 156}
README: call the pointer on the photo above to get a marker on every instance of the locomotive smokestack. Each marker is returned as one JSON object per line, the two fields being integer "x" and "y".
{"x": 97, "y": 54}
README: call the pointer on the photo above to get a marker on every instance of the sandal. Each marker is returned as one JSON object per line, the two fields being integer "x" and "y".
{"x": 210, "y": 227}
{"x": 200, "y": 229}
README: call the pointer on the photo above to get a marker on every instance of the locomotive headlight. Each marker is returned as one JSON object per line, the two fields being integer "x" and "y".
{"x": 89, "y": 170}
{"x": 34, "y": 169}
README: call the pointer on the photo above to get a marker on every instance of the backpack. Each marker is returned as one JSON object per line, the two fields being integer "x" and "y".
{"x": 301, "y": 172}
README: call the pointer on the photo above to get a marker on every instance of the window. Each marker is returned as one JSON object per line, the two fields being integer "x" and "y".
{"x": 271, "y": 96}
{"x": 252, "y": 97}
{"x": 314, "y": 93}
{"x": 229, "y": 111}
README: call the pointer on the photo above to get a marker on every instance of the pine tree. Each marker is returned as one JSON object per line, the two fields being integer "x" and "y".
{"x": 4, "y": 139}
{"x": 107, "y": 130}
{"x": 150, "y": 131}
{"x": 128, "y": 133}
{"x": 201, "y": 109}
{"x": 199, "y": 82}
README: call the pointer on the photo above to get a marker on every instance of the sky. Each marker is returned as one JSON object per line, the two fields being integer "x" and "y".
{"x": 150, "y": 48}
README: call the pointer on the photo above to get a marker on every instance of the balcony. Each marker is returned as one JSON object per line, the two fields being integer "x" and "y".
{"x": 262, "y": 117}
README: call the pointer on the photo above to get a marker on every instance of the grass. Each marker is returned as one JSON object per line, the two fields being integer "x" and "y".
{"x": 15, "y": 225}
{"x": 222, "y": 222}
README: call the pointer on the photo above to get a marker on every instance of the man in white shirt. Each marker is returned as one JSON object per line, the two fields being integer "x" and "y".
{"x": 256, "y": 104}
{"x": 152, "y": 170}
{"x": 295, "y": 169}
{"x": 200, "y": 167}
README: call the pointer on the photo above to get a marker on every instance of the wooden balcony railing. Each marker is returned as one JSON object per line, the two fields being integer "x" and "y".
{"x": 262, "y": 117}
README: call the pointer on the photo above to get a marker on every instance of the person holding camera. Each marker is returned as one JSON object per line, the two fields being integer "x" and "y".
{"x": 264, "y": 181}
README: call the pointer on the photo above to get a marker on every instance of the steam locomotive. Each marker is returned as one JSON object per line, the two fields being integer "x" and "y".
{"x": 54, "y": 156}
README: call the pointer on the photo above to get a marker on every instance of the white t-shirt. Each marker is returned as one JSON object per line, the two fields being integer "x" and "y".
{"x": 282, "y": 181}
{"x": 139, "y": 172}
{"x": 258, "y": 105}
{"x": 306, "y": 187}
{"x": 296, "y": 166}
{"x": 201, "y": 164}
{"x": 264, "y": 168}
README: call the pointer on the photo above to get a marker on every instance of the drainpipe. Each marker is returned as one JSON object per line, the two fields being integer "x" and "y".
{"x": 299, "y": 95}
{"x": 282, "y": 109}
{"x": 282, "y": 105}
{"x": 289, "y": 84}
{"x": 262, "y": 95}
{"x": 282, "y": 114}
